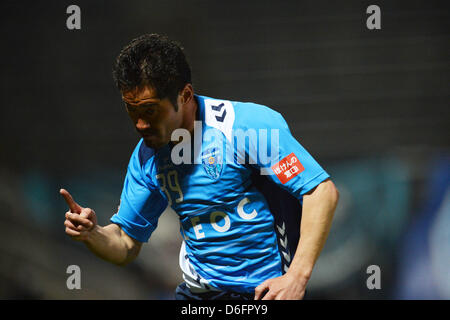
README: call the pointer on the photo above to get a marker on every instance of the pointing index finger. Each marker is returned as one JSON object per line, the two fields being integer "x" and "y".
{"x": 73, "y": 206}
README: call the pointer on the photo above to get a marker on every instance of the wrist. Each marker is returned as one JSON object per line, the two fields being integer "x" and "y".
{"x": 92, "y": 235}
{"x": 302, "y": 274}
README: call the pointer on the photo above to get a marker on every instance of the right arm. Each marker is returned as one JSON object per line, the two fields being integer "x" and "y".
{"x": 141, "y": 205}
{"x": 110, "y": 242}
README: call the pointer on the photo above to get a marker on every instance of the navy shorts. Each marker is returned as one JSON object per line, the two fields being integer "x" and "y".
{"x": 183, "y": 293}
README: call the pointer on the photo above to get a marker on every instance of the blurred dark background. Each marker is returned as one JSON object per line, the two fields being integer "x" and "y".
{"x": 372, "y": 106}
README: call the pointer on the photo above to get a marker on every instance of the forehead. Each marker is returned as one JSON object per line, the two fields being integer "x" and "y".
{"x": 140, "y": 95}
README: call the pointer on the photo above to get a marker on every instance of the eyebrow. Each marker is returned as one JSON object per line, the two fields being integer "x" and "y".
{"x": 143, "y": 105}
{"x": 145, "y": 101}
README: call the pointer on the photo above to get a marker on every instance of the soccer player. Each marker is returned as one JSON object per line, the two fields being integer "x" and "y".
{"x": 234, "y": 174}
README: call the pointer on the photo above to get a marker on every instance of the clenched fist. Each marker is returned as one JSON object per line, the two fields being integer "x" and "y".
{"x": 79, "y": 221}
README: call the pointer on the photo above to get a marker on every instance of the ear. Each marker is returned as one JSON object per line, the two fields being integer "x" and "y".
{"x": 186, "y": 95}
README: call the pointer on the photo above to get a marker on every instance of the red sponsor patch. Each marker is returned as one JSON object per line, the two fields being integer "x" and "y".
{"x": 287, "y": 168}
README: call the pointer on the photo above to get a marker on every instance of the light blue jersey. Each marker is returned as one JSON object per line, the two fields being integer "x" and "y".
{"x": 233, "y": 238}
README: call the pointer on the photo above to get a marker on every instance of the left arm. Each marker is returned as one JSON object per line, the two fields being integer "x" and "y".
{"x": 319, "y": 205}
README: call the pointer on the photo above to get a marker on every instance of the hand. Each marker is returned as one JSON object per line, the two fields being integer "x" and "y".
{"x": 79, "y": 221}
{"x": 286, "y": 287}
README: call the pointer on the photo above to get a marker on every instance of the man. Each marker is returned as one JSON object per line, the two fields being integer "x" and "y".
{"x": 232, "y": 172}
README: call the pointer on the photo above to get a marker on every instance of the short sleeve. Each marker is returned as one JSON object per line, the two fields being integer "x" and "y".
{"x": 280, "y": 156}
{"x": 141, "y": 203}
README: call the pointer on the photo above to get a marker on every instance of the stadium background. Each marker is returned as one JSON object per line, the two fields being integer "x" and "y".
{"x": 371, "y": 106}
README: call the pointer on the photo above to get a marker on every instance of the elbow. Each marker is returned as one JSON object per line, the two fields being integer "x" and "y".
{"x": 131, "y": 248}
{"x": 132, "y": 253}
{"x": 124, "y": 262}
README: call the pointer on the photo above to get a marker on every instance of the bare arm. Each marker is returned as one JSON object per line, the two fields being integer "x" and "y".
{"x": 110, "y": 242}
{"x": 317, "y": 214}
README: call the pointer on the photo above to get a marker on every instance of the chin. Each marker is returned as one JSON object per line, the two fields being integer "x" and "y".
{"x": 151, "y": 143}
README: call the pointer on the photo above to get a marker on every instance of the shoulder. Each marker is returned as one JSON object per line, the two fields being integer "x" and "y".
{"x": 227, "y": 115}
{"x": 252, "y": 115}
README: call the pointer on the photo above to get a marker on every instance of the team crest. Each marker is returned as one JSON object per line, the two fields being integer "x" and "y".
{"x": 212, "y": 162}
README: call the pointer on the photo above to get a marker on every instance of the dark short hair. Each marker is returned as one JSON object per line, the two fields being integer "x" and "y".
{"x": 154, "y": 60}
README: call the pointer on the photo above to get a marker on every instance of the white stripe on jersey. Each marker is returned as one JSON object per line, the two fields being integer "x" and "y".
{"x": 193, "y": 280}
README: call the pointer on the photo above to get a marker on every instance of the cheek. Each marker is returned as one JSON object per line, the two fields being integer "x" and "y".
{"x": 175, "y": 123}
{"x": 165, "y": 121}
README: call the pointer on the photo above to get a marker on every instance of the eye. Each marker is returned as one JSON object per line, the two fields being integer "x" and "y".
{"x": 149, "y": 111}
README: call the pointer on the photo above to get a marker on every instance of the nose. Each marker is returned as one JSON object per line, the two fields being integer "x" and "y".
{"x": 142, "y": 125}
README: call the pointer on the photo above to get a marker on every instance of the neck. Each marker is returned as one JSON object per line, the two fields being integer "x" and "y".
{"x": 190, "y": 112}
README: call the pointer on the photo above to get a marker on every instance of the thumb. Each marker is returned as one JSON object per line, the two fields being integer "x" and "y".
{"x": 261, "y": 289}
{"x": 73, "y": 206}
